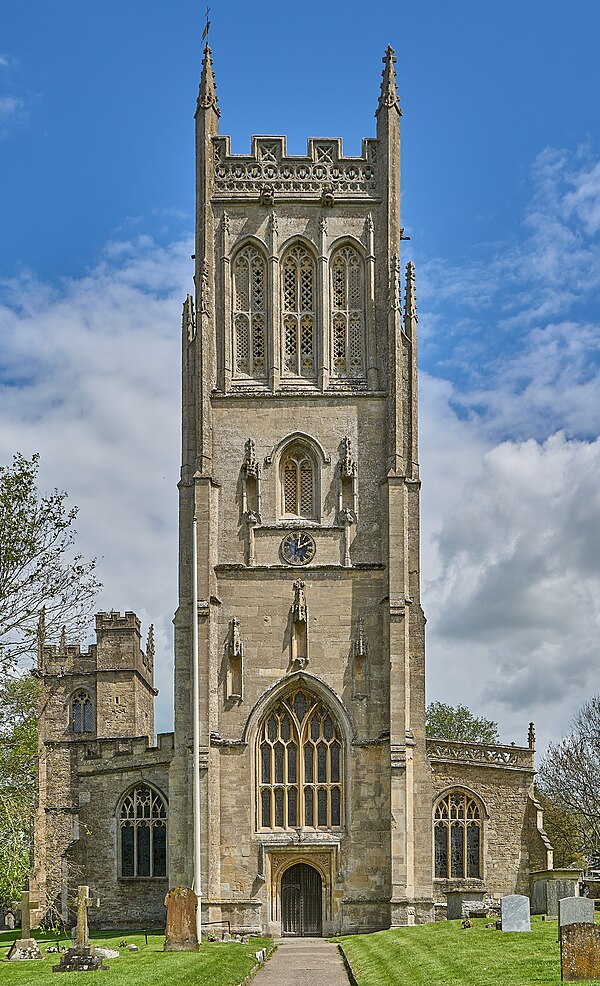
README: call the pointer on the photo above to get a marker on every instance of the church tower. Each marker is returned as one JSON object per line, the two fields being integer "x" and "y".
{"x": 300, "y": 470}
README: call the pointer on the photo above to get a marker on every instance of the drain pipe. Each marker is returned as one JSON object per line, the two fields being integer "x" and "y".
{"x": 197, "y": 882}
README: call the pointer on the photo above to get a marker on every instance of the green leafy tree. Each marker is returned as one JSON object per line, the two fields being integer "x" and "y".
{"x": 458, "y": 723}
{"x": 562, "y": 828}
{"x": 39, "y": 570}
{"x": 569, "y": 778}
{"x": 18, "y": 760}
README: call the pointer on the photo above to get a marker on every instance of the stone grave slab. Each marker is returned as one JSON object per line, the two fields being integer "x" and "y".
{"x": 575, "y": 910}
{"x": 514, "y": 911}
{"x": 579, "y": 952}
{"x": 181, "y": 934}
{"x": 462, "y": 903}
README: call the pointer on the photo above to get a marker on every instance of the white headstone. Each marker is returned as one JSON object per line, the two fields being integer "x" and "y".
{"x": 575, "y": 910}
{"x": 515, "y": 913}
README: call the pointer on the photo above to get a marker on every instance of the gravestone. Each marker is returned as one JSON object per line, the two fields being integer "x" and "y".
{"x": 549, "y": 886}
{"x": 515, "y": 913}
{"x": 81, "y": 957}
{"x": 579, "y": 952}
{"x": 181, "y": 934}
{"x": 25, "y": 947}
{"x": 575, "y": 910}
{"x": 9, "y": 920}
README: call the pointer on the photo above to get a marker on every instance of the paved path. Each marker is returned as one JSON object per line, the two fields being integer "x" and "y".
{"x": 303, "y": 962}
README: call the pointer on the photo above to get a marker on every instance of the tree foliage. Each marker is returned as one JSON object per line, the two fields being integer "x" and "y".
{"x": 569, "y": 778}
{"x": 18, "y": 760}
{"x": 458, "y": 723}
{"x": 38, "y": 567}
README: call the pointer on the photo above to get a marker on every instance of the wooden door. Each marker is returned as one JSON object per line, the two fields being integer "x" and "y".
{"x": 302, "y": 901}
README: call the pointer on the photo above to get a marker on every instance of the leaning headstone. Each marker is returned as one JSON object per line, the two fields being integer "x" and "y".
{"x": 81, "y": 957}
{"x": 181, "y": 934}
{"x": 25, "y": 947}
{"x": 9, "y": 920}
{"x": 575, "y": 910}
{"x": 515, "y": 913}
{"x": 579, "y": 952}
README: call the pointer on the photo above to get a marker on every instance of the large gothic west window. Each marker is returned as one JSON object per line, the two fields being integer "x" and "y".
{"x": 298, "y": 475}
{"x": 143, "y": 833}
{"x": 299, "y": 766}
{"x": 250, "y": 313}
{"x": 457, "y": 823}
{"x": 347, "y": 313}
{"x": 299, "y": 313}
{"x": 82, "y": 713}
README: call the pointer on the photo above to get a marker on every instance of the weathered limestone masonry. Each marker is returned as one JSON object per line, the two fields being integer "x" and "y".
{"x": 323, "y": 808}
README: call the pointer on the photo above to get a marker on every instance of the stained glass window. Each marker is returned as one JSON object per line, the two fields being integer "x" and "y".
{"x": 457, "y": 837}
{"x": 298, "y": 483}
{"x": 250, "y": 313}
{"x": 299, "y": 313}
{"x": 143, "y": 833}
{"x": 347, "y": 314}
{"x": 299, "y": 766}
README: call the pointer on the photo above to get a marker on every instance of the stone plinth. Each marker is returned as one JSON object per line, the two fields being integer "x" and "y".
{"x": 81, "y": 958}
{"x": 181, "y": 934}
{"x": 23, "y": 949}
{"x": 460, "y": 903}
{"x": 580, "y": 952}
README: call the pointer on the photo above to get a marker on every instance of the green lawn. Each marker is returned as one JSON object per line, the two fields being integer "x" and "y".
{"x": 216, "y": 964}
{"x": 445, "y": 954}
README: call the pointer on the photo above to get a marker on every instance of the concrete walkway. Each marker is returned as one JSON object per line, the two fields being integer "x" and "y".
{"x": 303, "y": 962}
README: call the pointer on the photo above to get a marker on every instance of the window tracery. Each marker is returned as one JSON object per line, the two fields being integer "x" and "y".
{"x": 458, "y": 836}
{"x": 82, "y": 712}
{"x": 299, "y": 761}
{"x": 298, "y": 483}
{"x": 299, "y": 313}
{"x": 143, "y": 833}
{"x": 250, "y": 313}
{"x": 347, "y": 313}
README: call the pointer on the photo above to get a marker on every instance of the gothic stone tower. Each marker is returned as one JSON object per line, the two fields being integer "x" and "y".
{"x": 299, "y": 463}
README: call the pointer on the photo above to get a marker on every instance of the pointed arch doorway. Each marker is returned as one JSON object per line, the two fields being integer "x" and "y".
{"x": 302, "y": 901}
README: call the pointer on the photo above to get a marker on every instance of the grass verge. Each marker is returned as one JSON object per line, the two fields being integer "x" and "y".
{"x": 445, "y": 954}
{"x": 216, "y": 964}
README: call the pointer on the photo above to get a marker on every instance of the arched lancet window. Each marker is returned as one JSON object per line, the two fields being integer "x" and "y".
{"x": 143, "y": 833}
{"x": 458, "y": 838}
{"x": 299, "y": 761}
{"x": 299, "y": 313}
{"x": 347, "y": 313}
{"x": 298, "y": 486}
{"x": 250, "y": 313}
{"x": 82, "y": 712}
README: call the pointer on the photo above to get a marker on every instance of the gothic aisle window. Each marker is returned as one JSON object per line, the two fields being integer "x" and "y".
{"x": 143, "y": 833}
{"x": 457, "y": 834}
{"x": 82, "y": 713}
{"x": 250, "y": 314}
{"x": 299, "y": 765}
{"x": 298, "y": 483}
{"x": 347, "y": 314}
{"x": 299, "y": 322}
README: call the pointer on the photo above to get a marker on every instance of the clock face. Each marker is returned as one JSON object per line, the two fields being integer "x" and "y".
{"x": 298, "y": 548}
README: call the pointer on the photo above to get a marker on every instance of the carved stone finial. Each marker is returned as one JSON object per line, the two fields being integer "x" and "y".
{"x": 347, "y": 463}
{"x": 327, "y": 196}
{"x": 150, "y": 644}
{"x": 207, "y": 96}
{"x": 225, "y": 221}
{"x": 187, "y": 320}
{"x": 250, "y": 463}
{"x": 388, "y": 97}
{"x": 266, "y": 194}
{"x": 410, "y": 297}
{"x": 370, "y": 224}
{"x": 273, "y": 223}
{"x": 62, "y": 644}
{"x": 236, "y": 644}
{"x": 204, "y": 289}
{"x": 395, "y": 299}
{"x": 361, "y": 644}
{"x": 531, "y": 736}
{"x": 41, "y": 632}
{"x": 323, "y": 226}
{"x": 299, "y": 609}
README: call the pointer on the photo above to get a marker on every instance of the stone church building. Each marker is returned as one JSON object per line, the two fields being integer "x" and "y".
{"x": 323, "y": 808}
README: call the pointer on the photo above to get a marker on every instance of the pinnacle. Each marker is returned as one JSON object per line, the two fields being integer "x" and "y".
{"x": 388, "y": 97}
{"x": 207, "y": 96}
{"x": 410, "y": 297}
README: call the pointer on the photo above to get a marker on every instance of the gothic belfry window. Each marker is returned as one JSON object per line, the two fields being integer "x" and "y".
{"x": 299, "y": 315}
{"x": 457, "y": 837}
{"x": 299, "y": 765}
{"x": 143, "y": 833}
{"x": 249, "y": 313}
{"x": 347, "y": 313}
{"x": 82, "y": 713}
{"x": 298, "y": 494}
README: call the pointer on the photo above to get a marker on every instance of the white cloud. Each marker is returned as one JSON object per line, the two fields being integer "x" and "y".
{"x": 10, "y": 107}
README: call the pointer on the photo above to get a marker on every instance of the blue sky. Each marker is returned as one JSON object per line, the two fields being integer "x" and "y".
{"x": 501, "y": 198}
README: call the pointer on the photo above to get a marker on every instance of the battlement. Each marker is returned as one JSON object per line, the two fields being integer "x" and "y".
{"x": 134, "y": 746}
{"x": 114, "y": 621}
{"x": 117, "y": 648}
{"x": 324, "y": 164}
